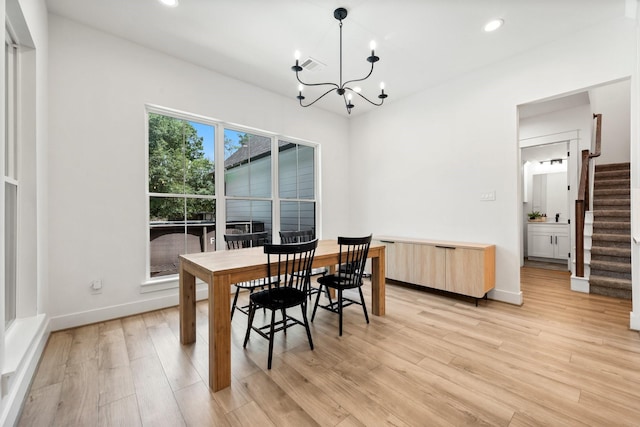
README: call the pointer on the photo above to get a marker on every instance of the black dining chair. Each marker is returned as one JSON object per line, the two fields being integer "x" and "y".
{"x": 241, "y": 241}
{"x": 288, "y": 270}
{"x": 351, "y": 262}
{"x": 300, "y": 236}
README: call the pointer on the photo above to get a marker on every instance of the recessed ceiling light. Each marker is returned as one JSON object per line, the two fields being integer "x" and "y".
{"x": 170, "y": 3}
{"x": 493, "y": 25}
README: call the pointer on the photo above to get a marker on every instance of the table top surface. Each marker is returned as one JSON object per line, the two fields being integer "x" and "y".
{"x": 237, "y": 259}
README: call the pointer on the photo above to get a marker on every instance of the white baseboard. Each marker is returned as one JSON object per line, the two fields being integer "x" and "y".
{"x": 116, "y": 311}
{"x": 504, "y": 296}
{"x": 16, "y": 383}
{"x": 580, "y": 284}
{"x": 634, "y": 321}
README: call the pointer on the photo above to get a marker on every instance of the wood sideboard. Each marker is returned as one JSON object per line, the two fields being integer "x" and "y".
{"x": 458, "y": 267}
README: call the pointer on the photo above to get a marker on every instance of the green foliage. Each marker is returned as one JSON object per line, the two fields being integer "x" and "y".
{"x": 231, "y": 146}
{"x": 177, "y": 165}
{"x": 534, "y": 215}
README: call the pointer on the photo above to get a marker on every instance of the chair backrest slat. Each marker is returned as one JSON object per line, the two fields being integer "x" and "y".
{"x": 296, "y": 236}
{"x": 290, "y": 264}
{"x": 247, "y": 240}
{"x": 352, "y": 258}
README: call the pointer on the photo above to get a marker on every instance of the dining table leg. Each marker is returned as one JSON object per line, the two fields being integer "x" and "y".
{"x": 219, "y": 332}
{"x": 378, "y": 284}
{"x": 187, "y": 306}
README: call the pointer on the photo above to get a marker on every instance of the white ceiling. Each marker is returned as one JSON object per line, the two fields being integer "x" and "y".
{"x": 421, "y": 43}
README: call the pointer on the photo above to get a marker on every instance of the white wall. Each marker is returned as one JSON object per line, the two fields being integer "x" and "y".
{"x": 423, "y": 162}
{"x": 99, "y": 85}
{"x": 576, "y": 118}
{"x": 613, "y": 102}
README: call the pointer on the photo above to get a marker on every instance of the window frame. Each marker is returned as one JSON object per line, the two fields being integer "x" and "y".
{"x": 298, "y": 198}
{"x": 220, "y": 196}
{"x": 11, "y": 170}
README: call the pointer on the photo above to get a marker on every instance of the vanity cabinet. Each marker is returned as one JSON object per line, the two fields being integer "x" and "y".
{"x": 462, "y": 268}
{"x": 548, "y": 240}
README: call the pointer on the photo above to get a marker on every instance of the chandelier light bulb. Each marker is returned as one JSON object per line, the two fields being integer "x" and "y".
{"x": 296, "y": 55}
{"x": 372, "y": 45}
{"x": 169, "y": 3}
{"x": 349, "y": 96}
{"x": 493, "y": 25}
{"x": 381, "y": 85}
{"x": 300, "y": 88}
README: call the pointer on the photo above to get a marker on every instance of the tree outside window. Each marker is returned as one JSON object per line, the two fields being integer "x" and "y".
{"x": 181, "y": 189}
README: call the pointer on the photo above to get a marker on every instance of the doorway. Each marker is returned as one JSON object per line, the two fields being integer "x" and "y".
{"x": 546, "y": 191}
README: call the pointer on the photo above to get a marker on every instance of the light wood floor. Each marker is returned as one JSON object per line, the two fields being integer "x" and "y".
{"x": 563, "y": 358}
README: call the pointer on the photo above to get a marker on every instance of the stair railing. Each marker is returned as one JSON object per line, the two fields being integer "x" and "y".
{"x": 583, "y": 201}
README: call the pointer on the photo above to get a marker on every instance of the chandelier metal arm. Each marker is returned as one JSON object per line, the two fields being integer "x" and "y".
{"x": 317, "y": 84}
{"x": 318, "y": 99}
{"x": 359, "y": 80}
{"x": 368, "y": 100}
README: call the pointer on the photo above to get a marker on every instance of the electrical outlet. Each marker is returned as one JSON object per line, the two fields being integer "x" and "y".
{"x": 488, "y": 196}
{"x": 96, "y": 286}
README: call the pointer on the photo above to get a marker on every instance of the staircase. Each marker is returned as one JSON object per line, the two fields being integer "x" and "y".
{"x": 611, "y": 240}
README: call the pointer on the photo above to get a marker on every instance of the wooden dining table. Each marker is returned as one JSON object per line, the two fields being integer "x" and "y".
{"x": 221, "y": 269}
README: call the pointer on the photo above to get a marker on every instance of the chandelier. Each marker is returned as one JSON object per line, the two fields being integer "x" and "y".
{"x": 342, "y": 89}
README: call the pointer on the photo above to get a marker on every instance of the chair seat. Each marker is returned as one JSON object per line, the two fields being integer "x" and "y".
{"x": 255, "y": 284}
{"x": 278, "y": 298}
{"x": 337, "y": 281}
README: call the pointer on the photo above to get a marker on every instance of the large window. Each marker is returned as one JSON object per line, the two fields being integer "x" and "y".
{"x": 252, "y": 182}
{"x": 247, "y": 180}
{"x": 182, "y": 204}
{"x": 296, "y": 175}
{"x": 10, "y": 181}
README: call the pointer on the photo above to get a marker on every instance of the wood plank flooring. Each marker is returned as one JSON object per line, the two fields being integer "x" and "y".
{"x": 563, "y": 358}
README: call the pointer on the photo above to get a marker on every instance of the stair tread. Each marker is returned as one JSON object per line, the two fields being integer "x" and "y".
{"x": 610, "y": 265}
{"x": 611, "y": 237}
{"x": 613, "y": 166}
{"x": 617, "y": 190}
{"x": 611, "y": 212}
{"x": 609, "y": 251}
{"x": 610, "y": 281}
{"x": 612, "y": 183}
{"x": 612, "y": 202}
{"x": 622, "y": 173}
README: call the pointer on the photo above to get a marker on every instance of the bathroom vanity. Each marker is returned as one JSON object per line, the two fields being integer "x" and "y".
{"x": 548, "y": 240}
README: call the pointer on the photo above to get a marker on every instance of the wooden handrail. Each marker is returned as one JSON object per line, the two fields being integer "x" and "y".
{"x": 582, "y": 200}
{"x": 598, "y": 118}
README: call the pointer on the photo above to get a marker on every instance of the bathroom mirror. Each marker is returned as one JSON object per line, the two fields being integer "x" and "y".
{"x": 550, "y": 195}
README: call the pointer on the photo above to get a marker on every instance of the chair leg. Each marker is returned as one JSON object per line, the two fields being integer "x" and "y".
{"x": 252, "y": 312}
{"x": 284, "y": 320}
{"x": 303, "y": 307}
{"x": 364, "y": 306}
{"x": 340, "y": 309}
{"x": 271, "y": 334}
{"x": 315, "y": 306}
{"x": 235, "y": 301}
